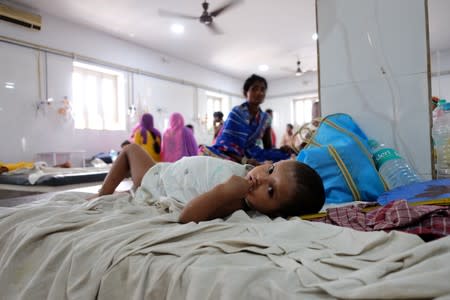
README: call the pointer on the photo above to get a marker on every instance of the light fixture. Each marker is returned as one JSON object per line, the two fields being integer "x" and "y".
{"x": 263, "y": 68}
{"x": 9, "y": 85}
{"x": 315, "y": 36}
{"x": 177, "y": 28}
{"x": 299, "y": 71}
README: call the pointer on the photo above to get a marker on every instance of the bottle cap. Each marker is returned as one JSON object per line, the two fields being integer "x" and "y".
{"x": 373, "y": 143}
{"x": 447, "y": 106}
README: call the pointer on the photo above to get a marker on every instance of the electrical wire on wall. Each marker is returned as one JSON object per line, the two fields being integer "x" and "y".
{"x": 377, "y": 52}
{"x": 386, "y": 70}
{"x": 132, "y": 110}
{"x": 438, "y": 58}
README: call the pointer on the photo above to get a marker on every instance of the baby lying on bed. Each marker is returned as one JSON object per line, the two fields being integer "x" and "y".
{"x": 214, "y": 188}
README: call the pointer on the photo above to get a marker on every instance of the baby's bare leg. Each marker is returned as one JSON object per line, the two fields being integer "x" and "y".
{"x": 132, "y": 159}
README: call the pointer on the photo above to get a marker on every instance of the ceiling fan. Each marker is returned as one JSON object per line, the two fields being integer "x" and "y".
{"x": 298, "y": 71}
{"x": 206, "y": 17}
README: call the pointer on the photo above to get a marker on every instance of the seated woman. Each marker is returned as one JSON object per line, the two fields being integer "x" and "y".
{"x": 178, "y": 141}
{"x": 244, "y": 126}
{"x": 290, "y": 139}
{"x": 148, "y": 137}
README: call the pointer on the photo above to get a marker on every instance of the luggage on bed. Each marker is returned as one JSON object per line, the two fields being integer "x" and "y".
{"x": 339, "y": 151}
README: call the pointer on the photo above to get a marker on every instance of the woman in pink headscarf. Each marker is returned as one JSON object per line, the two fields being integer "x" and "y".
{"x": 178, "y": 141}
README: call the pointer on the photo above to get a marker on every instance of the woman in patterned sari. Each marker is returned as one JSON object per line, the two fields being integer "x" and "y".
{"x": 244, "y": 127}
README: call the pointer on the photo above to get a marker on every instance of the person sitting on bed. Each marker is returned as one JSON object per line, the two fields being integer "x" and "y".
{"x": 148, "y": 137}
{"x": 214, "y": 188}
{"x": 241, "y": 134}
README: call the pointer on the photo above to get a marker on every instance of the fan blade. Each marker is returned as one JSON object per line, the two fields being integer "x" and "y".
{"x": 308, "y": 71}
{"x": 214, "y": 29}
{"x": 224, "y": 7}
{"x": 287, "y": 70}
{"x": 170, "y": 14}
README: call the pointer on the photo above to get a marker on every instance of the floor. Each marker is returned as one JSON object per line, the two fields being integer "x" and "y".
{"x": 11, "y": 195}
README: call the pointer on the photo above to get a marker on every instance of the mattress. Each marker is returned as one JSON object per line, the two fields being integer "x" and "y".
{"x": 55, "y": 177}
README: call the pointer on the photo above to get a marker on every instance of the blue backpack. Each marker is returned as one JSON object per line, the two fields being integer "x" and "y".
{"x": 339, "y": 151}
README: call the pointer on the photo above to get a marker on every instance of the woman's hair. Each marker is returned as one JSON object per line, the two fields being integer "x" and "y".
{"x": 251, "y": 80}
{"x": 309, "y": 194}
{"x": 124, "y": 143}
{"x": 146, "y": 124}
{"x": 190, "y": 126}
{"x": 218, "y": 114}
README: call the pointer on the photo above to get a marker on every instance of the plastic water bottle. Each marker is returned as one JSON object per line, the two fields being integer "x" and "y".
{"x": 441, "y": 138}
{"x": 394, "y": 169}
{"x": 113, "y": 153}
{"x": 439, "y": 110}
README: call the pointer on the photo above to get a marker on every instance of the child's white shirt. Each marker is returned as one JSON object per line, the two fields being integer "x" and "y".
{"x": 187, "y": 178}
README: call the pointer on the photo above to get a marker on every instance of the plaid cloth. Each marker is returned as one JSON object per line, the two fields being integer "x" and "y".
{"x": 428, "y": 221}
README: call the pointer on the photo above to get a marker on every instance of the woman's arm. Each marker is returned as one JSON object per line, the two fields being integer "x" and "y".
{"x": 267, "y": 138}
{"x": 219, "y": 202}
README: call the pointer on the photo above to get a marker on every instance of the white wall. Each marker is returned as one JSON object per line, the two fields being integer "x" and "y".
{"x": 44, "y": 130}
{"x": 440, "y": 68}
{"x": 373, "y": 65}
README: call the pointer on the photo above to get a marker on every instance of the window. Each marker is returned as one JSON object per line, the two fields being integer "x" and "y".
{"x": 98, "y": 98}
{"x": 215, "y": 102}
{"x": 303, "y": 110}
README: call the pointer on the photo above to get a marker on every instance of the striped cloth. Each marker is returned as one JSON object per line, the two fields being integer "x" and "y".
{"x": 428, "y": 221}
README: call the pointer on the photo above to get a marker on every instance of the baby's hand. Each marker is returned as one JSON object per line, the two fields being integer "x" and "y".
{"x": 237, "y": 186}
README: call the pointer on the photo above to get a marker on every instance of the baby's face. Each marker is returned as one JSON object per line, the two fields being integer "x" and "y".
{"x": 270, "y": 186}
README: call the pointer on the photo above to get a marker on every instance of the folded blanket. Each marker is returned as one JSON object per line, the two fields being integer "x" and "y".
{"x": 7, "y": 167}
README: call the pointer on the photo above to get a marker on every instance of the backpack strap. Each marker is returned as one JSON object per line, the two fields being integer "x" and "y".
{"x": 345, "y": 172}
{"x": 360, "y": 145}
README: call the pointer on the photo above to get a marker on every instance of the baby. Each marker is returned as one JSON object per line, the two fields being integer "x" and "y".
{"x": 214, "y": 188}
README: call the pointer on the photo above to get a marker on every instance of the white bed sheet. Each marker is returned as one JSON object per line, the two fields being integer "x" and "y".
{"x": 115, "y": 248}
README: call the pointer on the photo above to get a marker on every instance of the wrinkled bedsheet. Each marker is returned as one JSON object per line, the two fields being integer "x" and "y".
{"x": 115, "y": 248}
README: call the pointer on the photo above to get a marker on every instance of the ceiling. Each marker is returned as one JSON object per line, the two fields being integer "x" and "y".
{"x": 256, "y": 32}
